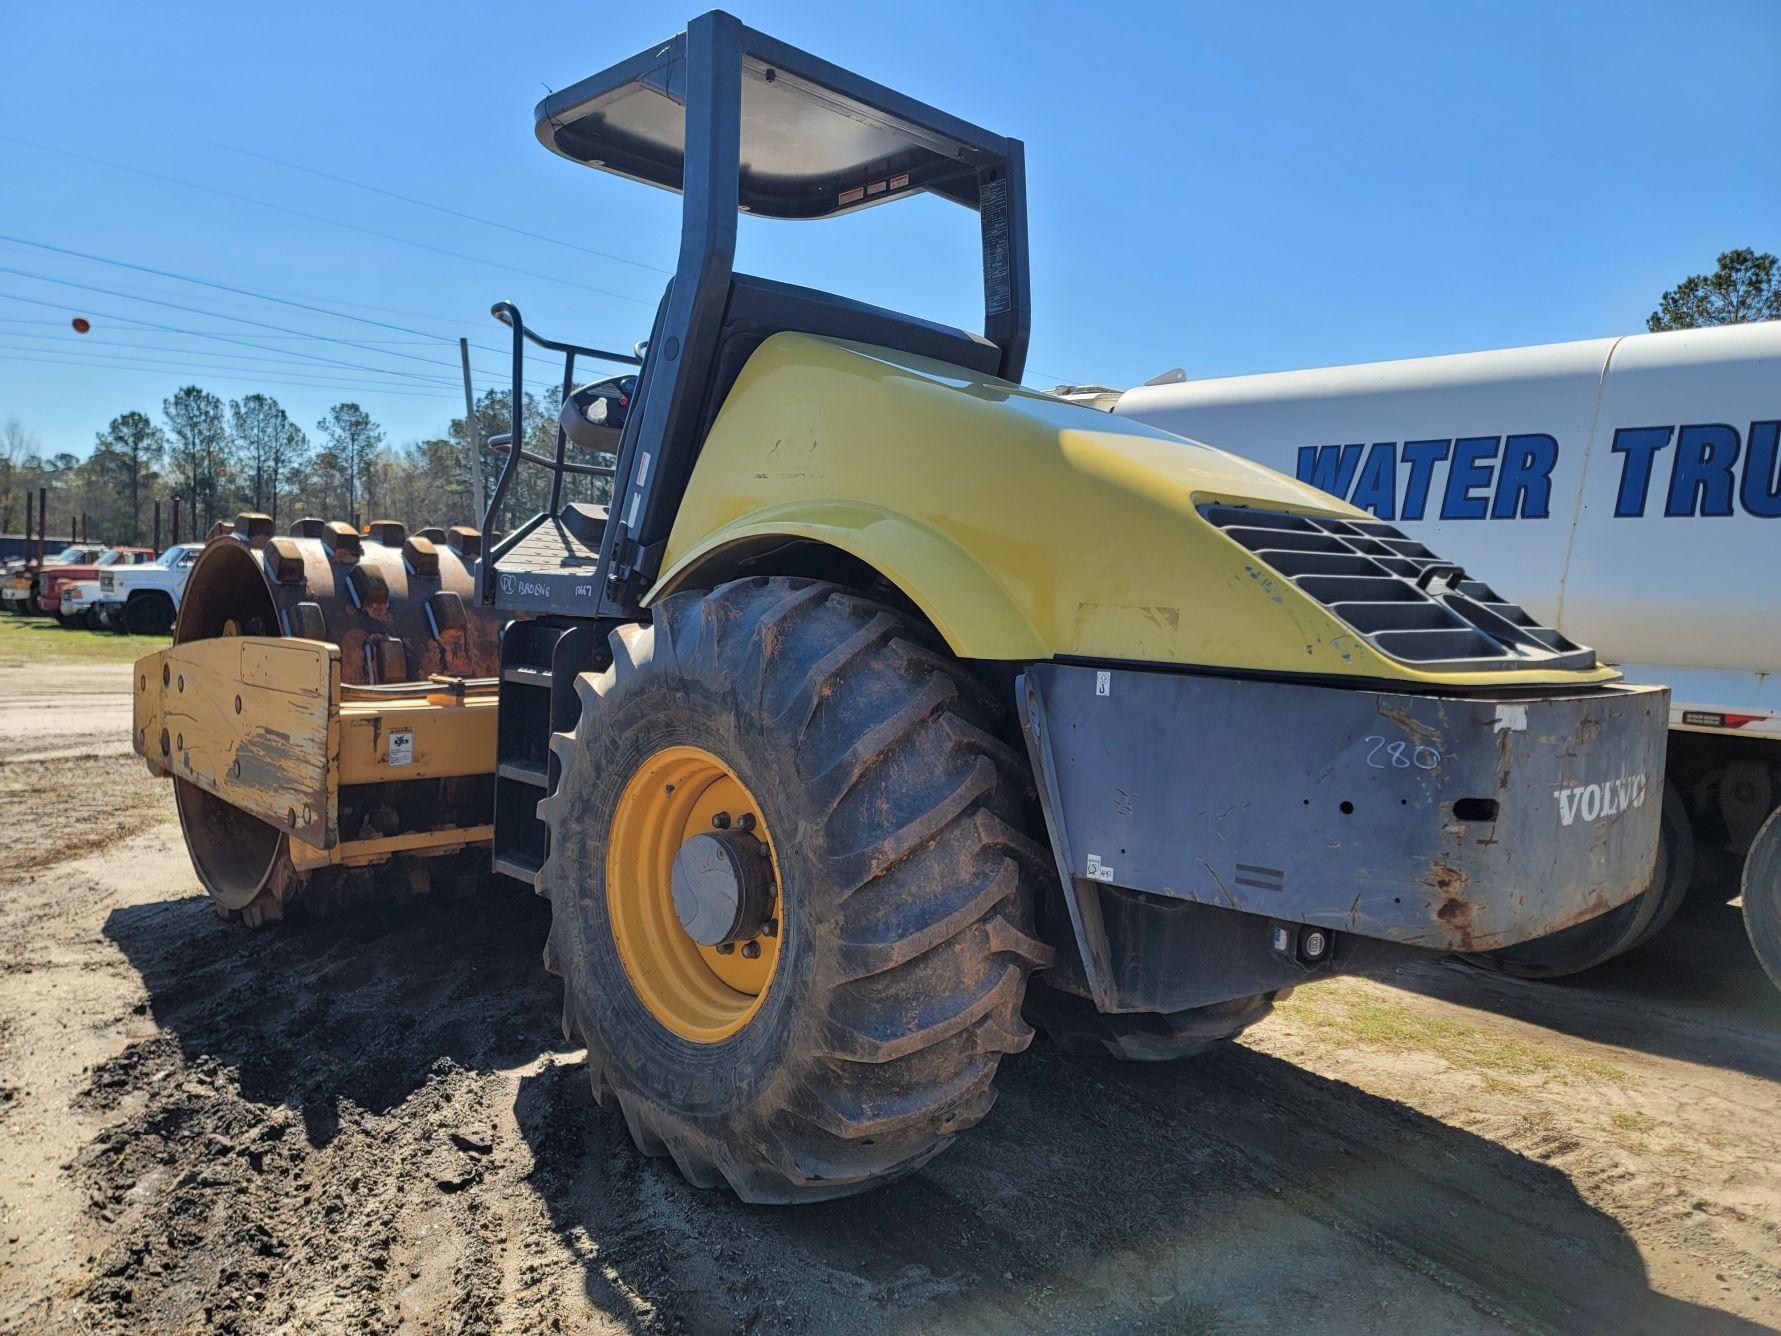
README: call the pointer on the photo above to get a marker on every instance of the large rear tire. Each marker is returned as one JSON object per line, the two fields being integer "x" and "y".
{"x": 1622, "y": 928}
{"x": 1078, "y": 1029}
{"x": 1761, "y": 886}
{"x": 903, "y": 914}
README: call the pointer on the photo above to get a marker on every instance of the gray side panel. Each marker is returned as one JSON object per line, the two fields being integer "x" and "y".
{"x": 1444, "y": 822}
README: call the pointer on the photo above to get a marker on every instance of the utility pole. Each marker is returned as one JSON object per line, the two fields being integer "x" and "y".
{"x": 157, "y": 528}
{"x": 479, "y": 498}
{"x": 30, "y": 521}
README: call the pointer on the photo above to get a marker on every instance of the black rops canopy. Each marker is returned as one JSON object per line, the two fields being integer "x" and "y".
{"x": 816, "y": 140}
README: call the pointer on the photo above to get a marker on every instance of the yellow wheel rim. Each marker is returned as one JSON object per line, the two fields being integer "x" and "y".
{"x": 699, "y": 992}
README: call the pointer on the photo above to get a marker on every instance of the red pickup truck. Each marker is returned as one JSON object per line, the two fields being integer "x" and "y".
{"x": 49, "y": 582}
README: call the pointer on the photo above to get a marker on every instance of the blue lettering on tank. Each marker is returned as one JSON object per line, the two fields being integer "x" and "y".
{"x": 1524, "y": 486}
{"x": 1638, "y": 446}
{"x": 1468, "y": 472}
{"x": 1701, "y": 475}
{"x": 1329, "y": 468}
{"x": 1421, "y": 456}
{"x": 1712, "y": 474}
{"x": 1760, "y": 490}
{"x": 1377, "y": 488}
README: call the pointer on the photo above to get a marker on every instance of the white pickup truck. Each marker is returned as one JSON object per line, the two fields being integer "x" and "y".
{"x": 144, "y": 600}
{"x": 1629, "y": 491}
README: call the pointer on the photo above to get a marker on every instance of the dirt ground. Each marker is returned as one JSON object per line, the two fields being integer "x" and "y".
{"x": 371, "y": 1122}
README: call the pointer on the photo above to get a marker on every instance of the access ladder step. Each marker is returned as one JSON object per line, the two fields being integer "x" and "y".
{"x": 520, "y": 866}
{"x": 525, "y": 772}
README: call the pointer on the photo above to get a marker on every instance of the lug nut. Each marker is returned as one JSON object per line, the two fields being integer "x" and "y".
{"x": 721, "y": 821}
{"x": 745, "y": 821}
{"x": 770, "y": 928}
{"x": 726, "y": 948}
{"x": 751, "y": 950}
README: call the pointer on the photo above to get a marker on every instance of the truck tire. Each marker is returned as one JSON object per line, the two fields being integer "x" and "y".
{"x": 1761, "y": 886}
{"x": 1634, "y": 923}
{"x": 96, "y": 619}
{"x": 887, "y": 984}
{"x": 149, "y": 615}
{"x": 1078, "y": 1029}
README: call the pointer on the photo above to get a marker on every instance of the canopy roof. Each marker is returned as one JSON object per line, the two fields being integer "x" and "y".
{"x": 816, "y": 140}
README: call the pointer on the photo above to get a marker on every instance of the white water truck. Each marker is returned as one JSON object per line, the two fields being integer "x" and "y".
{"x": 1629, "y": 490}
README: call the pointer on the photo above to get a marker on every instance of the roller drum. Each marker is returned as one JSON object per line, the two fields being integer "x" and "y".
{"x": 402, "y": 608}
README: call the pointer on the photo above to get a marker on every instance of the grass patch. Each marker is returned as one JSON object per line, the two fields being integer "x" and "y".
{"x": 1632, "y": 1122}
{"x": 27, "y": 640}
{"x": 1364, "y": 1013}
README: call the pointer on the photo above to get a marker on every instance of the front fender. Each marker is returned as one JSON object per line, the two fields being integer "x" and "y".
{"x": 963, "y": 601}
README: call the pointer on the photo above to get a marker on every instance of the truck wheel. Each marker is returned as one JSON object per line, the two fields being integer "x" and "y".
{"x": 1634, "y": 923}
{"x": 95, "y": 619}
{"x": 791, "y": 901}
{"x": 1073, "y": 1024}
{"x": 149, "y": 615}
{"x": 1762, "y": 895}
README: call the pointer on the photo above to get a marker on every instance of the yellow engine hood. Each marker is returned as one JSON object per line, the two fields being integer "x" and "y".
{"x": 1023, "y": 527}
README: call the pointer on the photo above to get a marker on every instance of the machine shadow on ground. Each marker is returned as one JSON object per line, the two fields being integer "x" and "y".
{"x": 1096, "y": 1195}
{"x": 1695, "y": 993}
{"x": 359, "y": 1007}
{"x": 1100, "y": 1195}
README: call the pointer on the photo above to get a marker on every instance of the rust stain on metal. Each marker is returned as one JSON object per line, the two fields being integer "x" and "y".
{"x": 1456, "y": 909}
{"x": 1409, "y": 722}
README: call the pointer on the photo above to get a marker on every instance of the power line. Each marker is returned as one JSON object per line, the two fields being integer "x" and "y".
{"x": 440, "y": 208}
{"x": 224, "y": 338}
{"x": 239, "y": 291}
{"x": 187, "y": 370}
{"x": 65, "y": 339}
{"x": 320, "y": 218}
{"x": 214, "y": 315}
{"x": 244, "y": 320}
{"x": 63, "y": 325}
{"x": 243, "y": 380}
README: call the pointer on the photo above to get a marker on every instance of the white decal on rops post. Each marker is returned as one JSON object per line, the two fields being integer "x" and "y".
{"x": 1593, "y": 802}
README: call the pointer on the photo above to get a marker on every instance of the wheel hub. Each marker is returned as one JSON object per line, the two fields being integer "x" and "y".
{"x": 692, "y": 894}
{"x": 723, "y": 887}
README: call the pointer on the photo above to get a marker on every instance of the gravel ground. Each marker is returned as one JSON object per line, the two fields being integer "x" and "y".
{"x": 371, "y": 1122}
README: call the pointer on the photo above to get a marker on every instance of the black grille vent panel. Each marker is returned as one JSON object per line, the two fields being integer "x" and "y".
{"x": 1396, "y": 594}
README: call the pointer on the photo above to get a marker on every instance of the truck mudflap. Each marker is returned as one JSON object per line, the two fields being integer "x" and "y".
{"x": 1440, "y": 822}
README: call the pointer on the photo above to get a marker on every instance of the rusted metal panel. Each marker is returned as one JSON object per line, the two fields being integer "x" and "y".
{"x": 253, "y": 720}
{"x": 1456, "y": 823}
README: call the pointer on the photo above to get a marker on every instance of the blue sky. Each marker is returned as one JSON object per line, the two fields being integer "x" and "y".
{"x": 1227, "y": 187}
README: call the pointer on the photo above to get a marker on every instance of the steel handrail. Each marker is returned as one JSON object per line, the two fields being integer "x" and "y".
{"x": 508, "y": 442}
